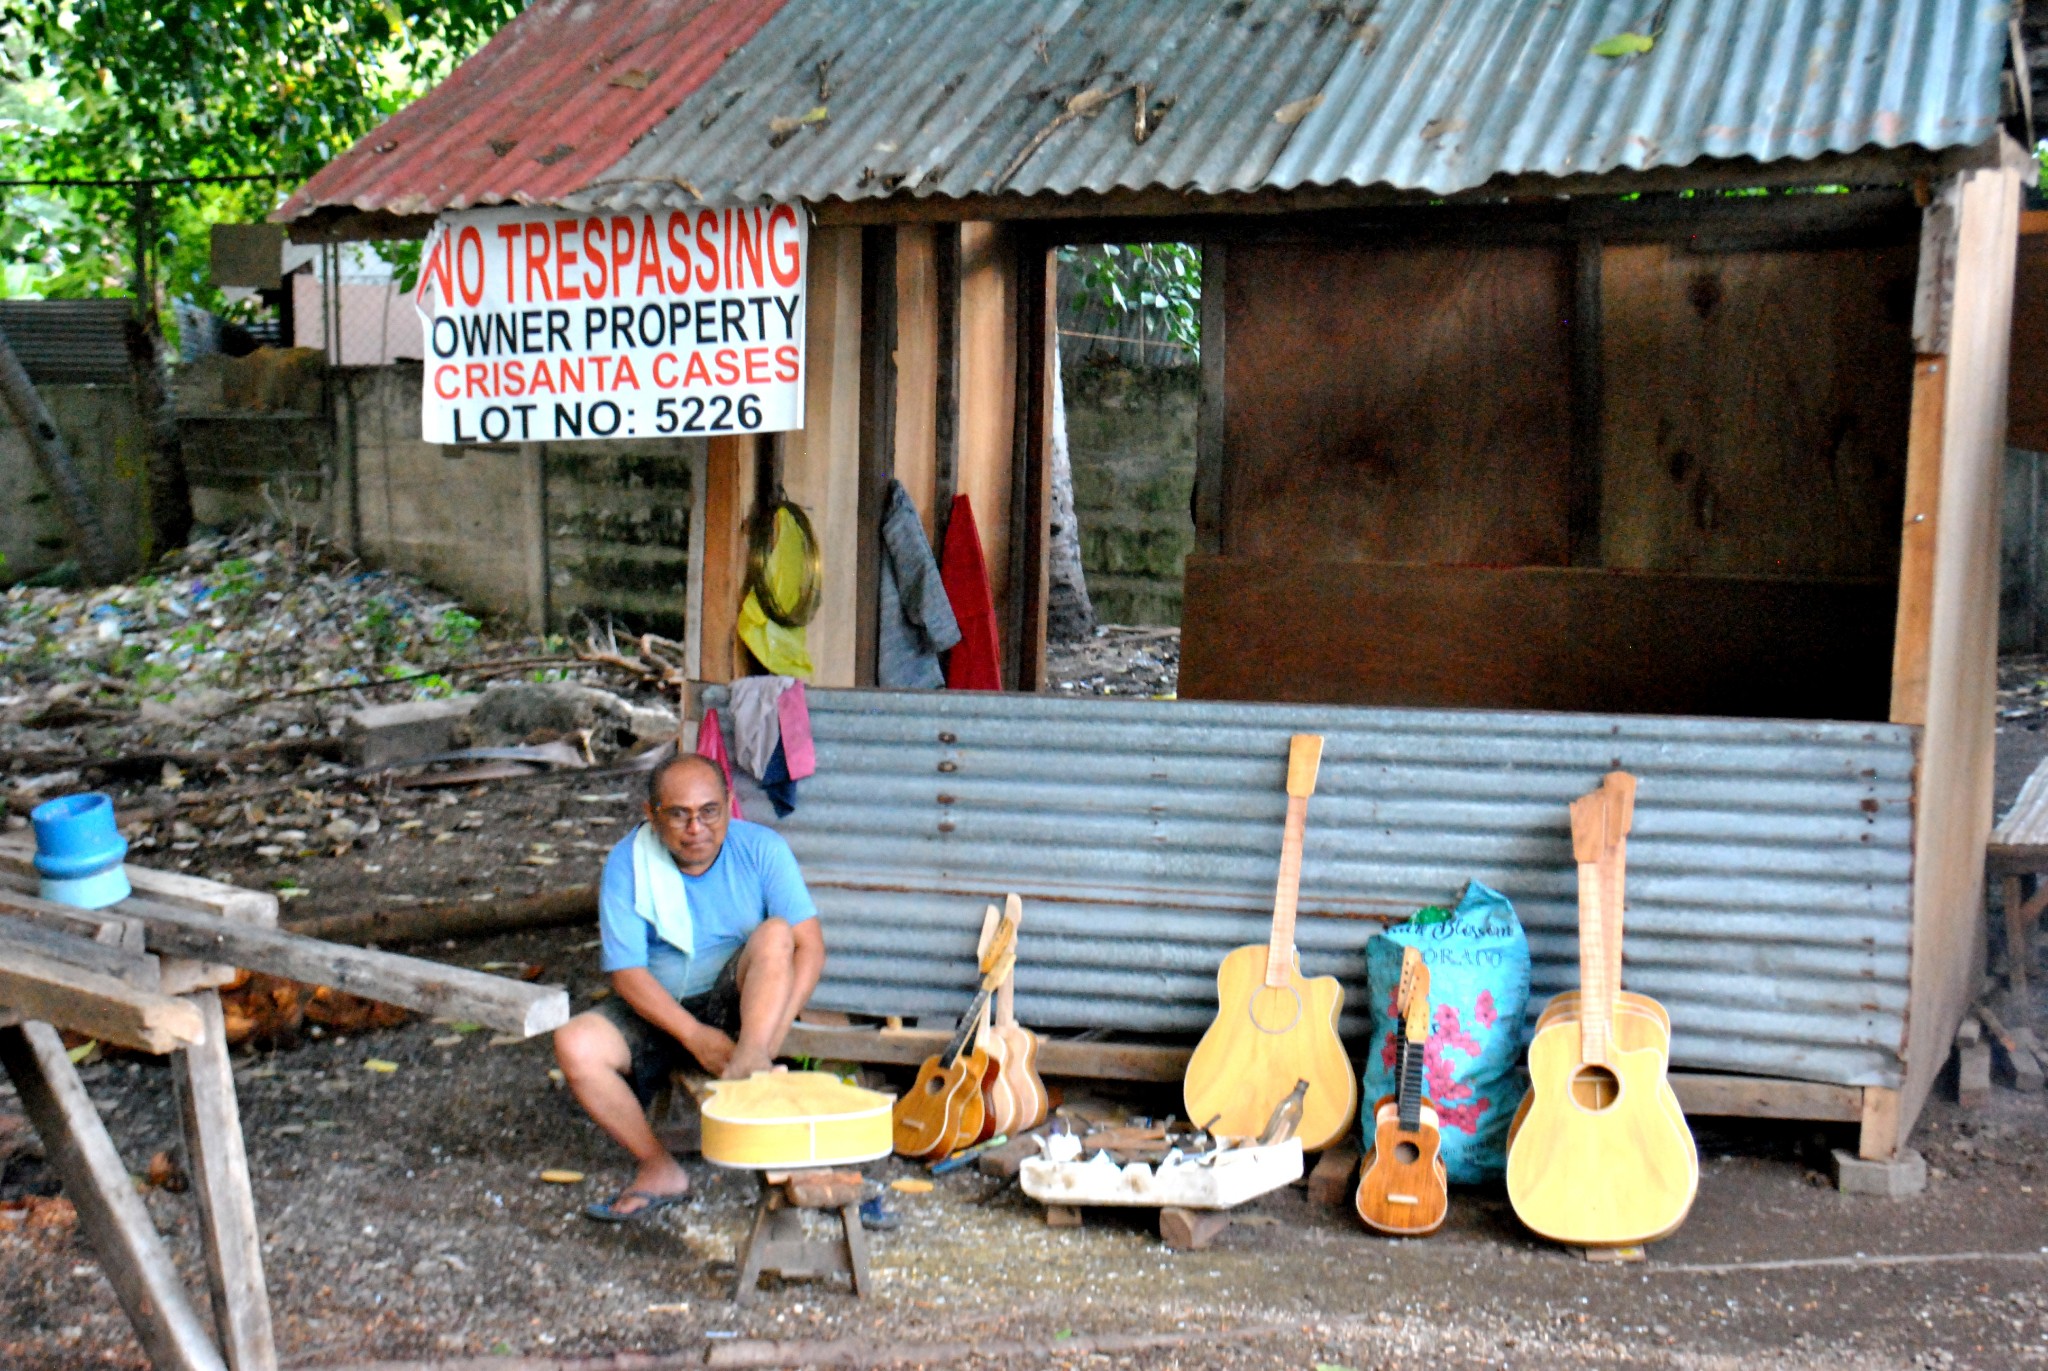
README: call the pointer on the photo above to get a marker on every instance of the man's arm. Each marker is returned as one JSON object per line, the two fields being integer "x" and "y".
{"x": 712, "y": 1049}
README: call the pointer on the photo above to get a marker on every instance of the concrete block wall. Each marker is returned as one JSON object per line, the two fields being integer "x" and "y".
{"x": 619, "y": 518}
{"x": 109, "y": 443}
{"x": 1131, "y": 437}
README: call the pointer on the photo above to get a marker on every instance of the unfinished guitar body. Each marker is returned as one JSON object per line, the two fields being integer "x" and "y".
{"x": 1603, "y": 1157}
{"x": 1266, "y": 1038}
{"x": 1401, "y": 1188}
{"x": 1639, "y": 1023}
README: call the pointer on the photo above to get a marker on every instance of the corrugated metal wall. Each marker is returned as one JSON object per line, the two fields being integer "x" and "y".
{"x": 1769, "y": 874}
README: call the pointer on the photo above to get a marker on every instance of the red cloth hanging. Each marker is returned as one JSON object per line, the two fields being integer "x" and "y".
{"x": 977, "y": 662}
{"x": 711, "y": 743}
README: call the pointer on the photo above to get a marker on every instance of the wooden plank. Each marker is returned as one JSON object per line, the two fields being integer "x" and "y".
{"x": 429, "y": 987}
{"x": 728, "y": 496}
{"x": 95, "y": 1180}
{"x": 17, "y": 855}
{"x": 1533, "y": 638}
{"x": 227, "y": 1208}
{"x": 821, "y": 462}
{"x": 1912, "y": 639}
{"x": 1588, "y": 405}
{"x": 1882, "y": 1127}
{"x": 1056, "y": 1056}
{"x": 21, "y": 930}
{"x": 987, "y": 390}
{"x": 1757, "y": 1097}
{"x": 101, "y": 926}
{"x": 92, "y": 1002}
{"x": 877, "y": 438}
{"x": 1211, "y": 467}
{"x": 1953, "y": 793}
{"x": 1023, "y": 638}
{"x": 915, "y": 457}
{"x": 945, "y": 376}
{"x": 1398, "y": 405}
{"x": 1754, "y": 409}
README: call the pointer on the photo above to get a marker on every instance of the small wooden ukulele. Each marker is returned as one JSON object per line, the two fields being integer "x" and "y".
{"x": 1273, "y": 1025}
{"x": 1403, "y": 1188}
{"x": 1602, "y": 1157}
{"x": 1020, "y": 1061}
{"x": 942, "y": 1111}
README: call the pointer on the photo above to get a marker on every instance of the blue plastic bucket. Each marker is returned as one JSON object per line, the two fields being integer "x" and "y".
{"x": 79, "y": 851}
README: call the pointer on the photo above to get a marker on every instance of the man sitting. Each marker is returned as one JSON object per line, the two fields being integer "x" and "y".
{"x": 712, "y": 945}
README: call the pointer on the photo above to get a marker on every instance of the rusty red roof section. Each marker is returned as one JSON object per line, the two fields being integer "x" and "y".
{"x": 543, "y": 108}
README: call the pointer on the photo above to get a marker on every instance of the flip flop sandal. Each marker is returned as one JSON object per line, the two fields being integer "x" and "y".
{"x": 607, "y": 1211}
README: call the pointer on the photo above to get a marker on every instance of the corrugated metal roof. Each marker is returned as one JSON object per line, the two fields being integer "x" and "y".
{"x": 967, "y": 97}
{"x": 1770, "y": 870}
{"x": 70, "y": 342}
{"x": 543, "y": 108}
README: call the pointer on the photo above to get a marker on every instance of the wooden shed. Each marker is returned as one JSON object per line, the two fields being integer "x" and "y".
{"x": 1663, "y": 384}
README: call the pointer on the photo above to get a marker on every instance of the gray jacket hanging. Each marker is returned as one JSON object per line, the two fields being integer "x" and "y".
{"x": 916, "y": 618}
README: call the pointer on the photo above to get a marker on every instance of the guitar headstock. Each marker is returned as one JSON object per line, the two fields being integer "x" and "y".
{"x": 1413, "y": 999}
{"x": 1304, "y": 757}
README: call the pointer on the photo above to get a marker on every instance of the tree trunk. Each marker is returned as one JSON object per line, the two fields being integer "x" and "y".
{"x": 1069, "y": 614}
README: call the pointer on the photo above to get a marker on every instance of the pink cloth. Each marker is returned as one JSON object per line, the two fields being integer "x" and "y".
{"x": 711, "y": 743}
{"x": 793, "y": 713}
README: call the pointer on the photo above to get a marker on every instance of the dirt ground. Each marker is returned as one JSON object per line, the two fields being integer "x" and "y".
{"x": 404, "y": 1215}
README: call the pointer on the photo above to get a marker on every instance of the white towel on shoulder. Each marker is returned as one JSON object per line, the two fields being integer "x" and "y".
{"x": 659, "y": 895}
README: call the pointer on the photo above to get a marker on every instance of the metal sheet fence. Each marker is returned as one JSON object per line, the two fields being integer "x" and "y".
{"x": 1769, "y": 870}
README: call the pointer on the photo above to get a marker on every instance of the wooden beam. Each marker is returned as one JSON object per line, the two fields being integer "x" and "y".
{"x": 43, "y": 930}
{"x": 1031, "y": 470}
{"x": 1211, "y": 467}
{"x": 94, "y": 925}
{"x": 96, "y": 1181}
{"x": 429, "y": 987}
{"x": 36, "y": 986}
{"x": 1758, "y": 1097}
{"x": 1056, "y": 1056}
{"x": 220, "y": 1181}
{"x": 1588, "y": 406}
{"x": 914, "y": 456}
{"x": 987, "y": 388}
{"x": 945, "y": 376}
{"x": 1913, "y": 638}
{"x": 728, "y": 498}
{"x": 1879, "y": 1135}
{"x": 878, "y": 288}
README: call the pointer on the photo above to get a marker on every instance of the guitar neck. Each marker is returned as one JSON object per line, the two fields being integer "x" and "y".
{"x": 1287, "y": 895}
{"x": 1408, "y": 1094}
{"x": 970, "y": 1024}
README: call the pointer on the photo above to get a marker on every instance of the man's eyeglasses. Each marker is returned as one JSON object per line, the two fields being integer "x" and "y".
{"x": 679, "y": 816}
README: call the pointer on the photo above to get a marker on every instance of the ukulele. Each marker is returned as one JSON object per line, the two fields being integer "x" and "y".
{"x": 942, "y": 1111}
{"x": 1402, "y": 1190}
{"x": 1273, "y": 1025}
{"x": 1602, "y": 1156}
{"x": 1020, "y": 1059}
{"x": 999, "y": 1103}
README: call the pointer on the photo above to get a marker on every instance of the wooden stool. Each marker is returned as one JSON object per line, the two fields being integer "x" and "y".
{"x": 779, "y": 1244}
{"x": 2018, "y": 852}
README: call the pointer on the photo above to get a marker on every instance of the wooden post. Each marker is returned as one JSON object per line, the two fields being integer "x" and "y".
{"x": 1588, "y": 406}
{"x": 877, "y": 439}
{"x": 987, "y": 388}
{"x": 1211, "y": 470}
{"x": 113, "y": 1216}
{"x": 1031, "y": 471}
{"x": 728, "y": 498}
{"x": 219, "y": 1164}
{"x": 915, "y": 455}
{"x": 945, "y": 377}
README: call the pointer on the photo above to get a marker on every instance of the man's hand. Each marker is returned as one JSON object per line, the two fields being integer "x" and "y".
{"x": 712, "y": 1048}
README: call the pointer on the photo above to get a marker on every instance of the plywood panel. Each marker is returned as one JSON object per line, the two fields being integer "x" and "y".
{"x": 988, "y": 391}
{"x": 1533, "y": 638}
{"x": 1755, "y": 409}
{"x": 1398, "y": 404}
{"x": 821, "y": 462}
{"x": 917, "y": 368}
{"x": 1953, "y": 798}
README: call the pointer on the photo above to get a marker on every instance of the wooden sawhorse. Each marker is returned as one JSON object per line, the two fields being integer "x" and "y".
{"x": 2018, "y": 856}
{"x": 777, "y": 1242}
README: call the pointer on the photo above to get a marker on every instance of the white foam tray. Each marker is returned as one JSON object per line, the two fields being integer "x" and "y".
{"x": 1236, "y": 1176}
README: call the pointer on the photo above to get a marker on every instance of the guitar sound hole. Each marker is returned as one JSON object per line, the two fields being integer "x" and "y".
{"x": 1595, "y": 1087}
{"x": 934, "y": 1086}
{"x": 1407, "y": 1153}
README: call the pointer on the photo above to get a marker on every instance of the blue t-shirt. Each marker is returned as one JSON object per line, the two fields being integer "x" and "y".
{"x": 754, "y": 878}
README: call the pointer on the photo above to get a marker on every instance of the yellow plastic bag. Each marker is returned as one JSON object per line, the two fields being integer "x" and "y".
{"x": 781, "y": 648}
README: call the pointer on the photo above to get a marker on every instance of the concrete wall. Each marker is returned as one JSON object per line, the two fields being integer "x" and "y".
{"x": 109, "y": 443}
{"x": 1131, "y": 434}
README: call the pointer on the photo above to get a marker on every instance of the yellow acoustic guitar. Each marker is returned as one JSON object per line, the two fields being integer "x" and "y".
{"x": 999, "y": 1103}
{"x": 777, "y": 1119}
{"x": 1274, "y": 1026}
{"x": 1602, "y": 1157}
{"x": 1020, "y": 1055}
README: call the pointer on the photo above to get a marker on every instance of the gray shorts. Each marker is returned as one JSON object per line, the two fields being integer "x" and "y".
{"x": 654, "y": 1052}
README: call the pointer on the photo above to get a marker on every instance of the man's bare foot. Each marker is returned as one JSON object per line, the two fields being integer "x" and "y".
{"x": 746, "y": 1060}
{"x": 664, "y": 1176}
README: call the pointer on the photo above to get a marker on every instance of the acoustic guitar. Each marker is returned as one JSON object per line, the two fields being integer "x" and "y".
{"x": 1273, "y": 1025}
{"x": 1020, "y": 1057}
{"x": 775, "y": 1120}
{"x": 1403, "y": 1189}
{"x": 999, "y": 1103}
{"x": 1602, "y": 1157}
{"x": 943, "y": 1111}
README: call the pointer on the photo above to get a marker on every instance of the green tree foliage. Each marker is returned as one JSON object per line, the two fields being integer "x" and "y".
{"x": 1155, "y": 286}
{"x": 108, "y": 89}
